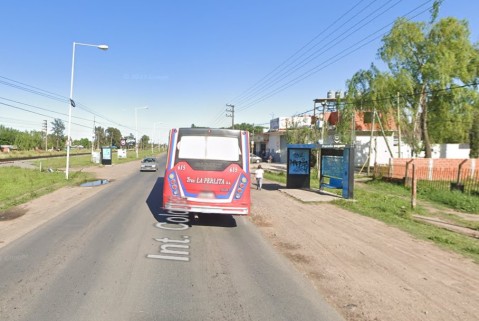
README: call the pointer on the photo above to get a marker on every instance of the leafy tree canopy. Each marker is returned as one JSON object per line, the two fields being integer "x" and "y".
{"x": 432, "y": 74}
{"x": 429, "y": 59}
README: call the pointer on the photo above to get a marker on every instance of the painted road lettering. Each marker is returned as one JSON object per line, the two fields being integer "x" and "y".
{"x": 172, "y": 249}
{"x": 176, "y": 220}
{"x": 169, "y": 252}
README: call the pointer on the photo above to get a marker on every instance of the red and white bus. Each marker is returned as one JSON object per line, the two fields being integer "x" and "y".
{"x": 207, "y": 171}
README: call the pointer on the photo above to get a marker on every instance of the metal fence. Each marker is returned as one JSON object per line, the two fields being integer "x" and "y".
{"x": 453, "y": 178}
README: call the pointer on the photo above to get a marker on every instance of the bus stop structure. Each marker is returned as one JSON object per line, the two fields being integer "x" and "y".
{"x": 106, "y": 155}
{"x": 336, "y": 167}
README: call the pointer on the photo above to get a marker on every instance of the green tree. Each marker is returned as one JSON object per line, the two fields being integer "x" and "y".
{"x": 474, "y": 137}
{"x": 251, "y": 128}
{"x": 301, "y": 135}
{"x": 430, "y": 57}
{"x": 130, "y": 140}
{"x": 7, "y": 135}
{"x": 57, "y": 131}
{"x": 113, "y": 135}
{"x": 23, "y": 141}
{"x": 451, "y": 114}
{"x": 368, "y": 91}
{"x": 144, "y": 141}
{"x": 85, "y": 142}
{"x": 29, "y": 140}
{"x": 100, "y": 137}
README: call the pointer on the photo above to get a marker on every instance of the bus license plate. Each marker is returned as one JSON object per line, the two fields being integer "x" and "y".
{"x": 206, "y": 195}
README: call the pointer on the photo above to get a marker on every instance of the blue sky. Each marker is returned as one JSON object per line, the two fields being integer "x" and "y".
{"x": 187, "y": 59}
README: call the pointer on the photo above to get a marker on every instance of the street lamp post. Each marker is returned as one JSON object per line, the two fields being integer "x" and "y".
{"x": 71, "y": 103}
{"x": 136, "y": 124}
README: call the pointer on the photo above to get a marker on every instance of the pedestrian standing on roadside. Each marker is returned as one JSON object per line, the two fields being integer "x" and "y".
{"x": 259, "y": 177}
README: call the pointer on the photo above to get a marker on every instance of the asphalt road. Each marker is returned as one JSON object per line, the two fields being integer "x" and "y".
{"x": 117, "y": 256}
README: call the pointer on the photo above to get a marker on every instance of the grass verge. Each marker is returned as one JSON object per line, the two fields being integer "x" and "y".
{"x": 20, "y": 185}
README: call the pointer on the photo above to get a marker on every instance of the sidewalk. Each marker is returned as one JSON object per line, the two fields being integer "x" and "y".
{"x": 311, "y": 195}
{"x": 303, "y": 195}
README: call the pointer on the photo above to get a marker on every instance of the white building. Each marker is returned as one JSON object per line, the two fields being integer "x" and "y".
{"x": 273, "y": 142}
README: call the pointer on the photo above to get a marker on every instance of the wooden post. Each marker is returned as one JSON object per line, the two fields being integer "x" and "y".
{"x": 371, "y": 142}
{"x": 414, "y": 187}
{"x": 407, "y": 171}
{"x": 473, "y": 167}
{"x": 390, "y": 171}
{"x": 458, "y": 181}
{"x": 384, "y": 134}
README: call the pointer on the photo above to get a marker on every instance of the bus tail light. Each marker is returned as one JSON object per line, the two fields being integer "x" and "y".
{"x": 172, "y": 183}
{"x": 240, "y": 189}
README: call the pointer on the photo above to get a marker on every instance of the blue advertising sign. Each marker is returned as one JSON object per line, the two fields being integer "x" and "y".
{"x": 106, "y": 155}
{"x": 298, "y": 161}
{"x": 337, "y": 169}
{"x": 298, "y": 165}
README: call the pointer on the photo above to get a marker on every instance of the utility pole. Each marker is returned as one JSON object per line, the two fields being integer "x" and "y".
{"x": 231, "y": 110}
{"x": 93, "y": 135}
{"x": 399, "y": 127}
{"x": 45, "y": 130}
{"x": 252, "y": 141}
{"x": 371, "y": 141}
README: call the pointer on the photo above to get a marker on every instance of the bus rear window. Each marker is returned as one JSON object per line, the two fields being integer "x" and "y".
{"x": 209, "y": 147}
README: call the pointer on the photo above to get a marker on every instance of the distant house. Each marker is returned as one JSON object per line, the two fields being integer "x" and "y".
{"x": 366, "y": 137}
{"x": 7, "y": 148}
{"x": 273, "y": 142}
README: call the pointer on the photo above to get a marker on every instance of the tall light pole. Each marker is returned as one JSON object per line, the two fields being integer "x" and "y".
{"x": 136, "y": 124}
{"x": 72, "y": 103}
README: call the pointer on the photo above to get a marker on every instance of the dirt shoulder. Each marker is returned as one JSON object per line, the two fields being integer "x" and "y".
{"x": 364, "y": 268}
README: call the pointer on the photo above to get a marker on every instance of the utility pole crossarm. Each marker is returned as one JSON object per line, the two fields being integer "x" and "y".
{"x": 231, "y": 110}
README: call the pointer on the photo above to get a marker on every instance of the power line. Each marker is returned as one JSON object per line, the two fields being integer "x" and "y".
{"x": 44, "y": 109}
{"x": 35, "y": 90}
{"x": 323, "y": 65}
{"x": 268, "y": 76}
{"x": 393, "y": 98}
{"x": 50, "y": 95}
{"x": 257, "y": 93}
{"x": 18, "y": 121}
{"x": 355, "y": 47}
{"x": 219, "y": 117}
{"x": 40, "y": 114}
{"x": 295, "y": 65}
